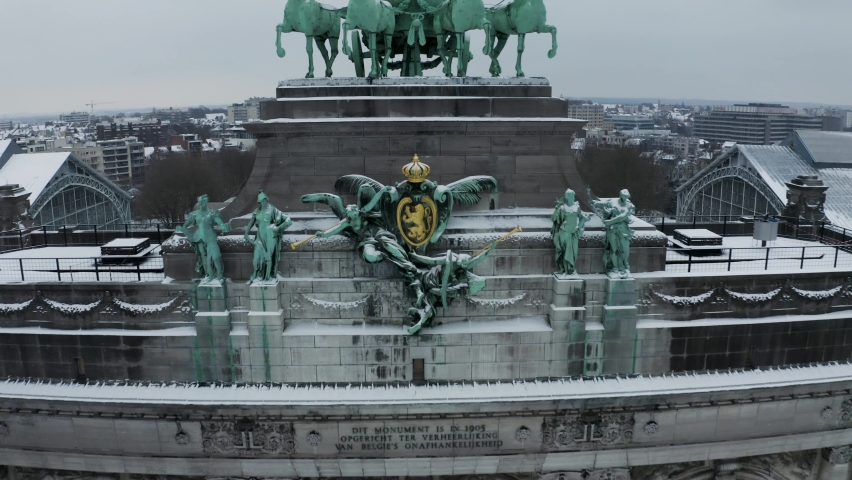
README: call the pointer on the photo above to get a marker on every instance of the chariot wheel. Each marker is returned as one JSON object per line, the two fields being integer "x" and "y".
{"x": 357, "y": 56}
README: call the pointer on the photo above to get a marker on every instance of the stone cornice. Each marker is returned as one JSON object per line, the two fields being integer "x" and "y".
{"x": 602, "y": 394}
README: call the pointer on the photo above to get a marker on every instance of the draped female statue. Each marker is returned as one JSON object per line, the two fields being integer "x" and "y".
{"x": 569, "y": 223}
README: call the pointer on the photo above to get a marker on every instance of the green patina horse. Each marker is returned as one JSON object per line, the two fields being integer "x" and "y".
{"x": 373, "y": 18}
{"x": 456, "y": 19}
{"x": 319, "y": 24}
{"x": 518, "y": 17}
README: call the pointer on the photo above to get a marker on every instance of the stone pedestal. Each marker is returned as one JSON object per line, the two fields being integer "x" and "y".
{"x": 212, "y": 356}
{"x": 318, "y": 130}
{"x": 265, "y": 322}
{"x": 619, "y": 323}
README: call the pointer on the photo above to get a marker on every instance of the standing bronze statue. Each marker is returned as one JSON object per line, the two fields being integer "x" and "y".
{"x": 569, "y": 223}
{"x": 617, "y": 217}
{"x": 271, "y": 224}
{"x": 204, "y": 239}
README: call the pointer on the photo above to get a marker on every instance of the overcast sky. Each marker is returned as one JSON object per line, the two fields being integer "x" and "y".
{"x": 60, "y": 55}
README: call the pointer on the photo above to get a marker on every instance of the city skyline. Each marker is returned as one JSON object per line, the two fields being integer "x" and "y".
{"x": 762, "y": 51}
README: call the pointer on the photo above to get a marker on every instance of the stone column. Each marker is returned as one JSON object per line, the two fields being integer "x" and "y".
{"x": 212, "y": 353}
{"x": 835, "y": 463}
{"x": 266, "y": 353}
{"x": 567, "y": 318}
{"x": 620, "y": 316}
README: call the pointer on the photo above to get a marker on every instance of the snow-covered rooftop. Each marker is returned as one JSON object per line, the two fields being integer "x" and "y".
{"x": 778, "y": 165}
{"x": 827, "y": 147}
{"x": 521, "y": 391}
{"x": 32, "y": 171}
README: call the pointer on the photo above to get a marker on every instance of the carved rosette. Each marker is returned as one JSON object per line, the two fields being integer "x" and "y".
{"x": 838, "y": 455}
{"x": 523, "y": 434}
{"x": 248, "y": 438}
{"x": 314, "y": 438}
{"x": 587, "y": 431}
{"x": 651, "y": 428}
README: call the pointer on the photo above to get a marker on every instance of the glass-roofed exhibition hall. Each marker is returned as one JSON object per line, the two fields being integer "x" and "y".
{"x": 63, "y": 190}
{"x": 749, "y": 180}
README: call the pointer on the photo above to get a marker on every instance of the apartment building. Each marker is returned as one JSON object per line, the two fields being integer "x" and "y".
{"x": 755, "y": 123}
{"x": 151, "y": 133}
{"x": 593, "y": 114}
{"x": 171, "y": 115}
{"x": 124, "y": 161}
{"x": 81, "y": 118}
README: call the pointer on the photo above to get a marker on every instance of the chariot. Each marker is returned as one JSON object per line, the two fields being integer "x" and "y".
{"x": 412, "y": 36}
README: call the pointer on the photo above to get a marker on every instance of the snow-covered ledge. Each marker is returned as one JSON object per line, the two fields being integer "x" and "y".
{"x": 521, "y": 391}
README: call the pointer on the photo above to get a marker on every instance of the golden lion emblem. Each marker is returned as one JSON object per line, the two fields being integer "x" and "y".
{"x": 416, "y": 221}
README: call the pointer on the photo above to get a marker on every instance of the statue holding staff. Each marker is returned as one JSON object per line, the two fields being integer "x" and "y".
{"x": 271, "y": 223}
{"x": 569, "y": 223}
{"x": 204, "y": 238}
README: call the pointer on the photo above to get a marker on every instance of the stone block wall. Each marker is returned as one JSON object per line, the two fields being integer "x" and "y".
{"x": 342, "y": 330}
{"x": 123, "y": 331}
{"x": 531, "y": 160}
{"x": 742, "y": 321}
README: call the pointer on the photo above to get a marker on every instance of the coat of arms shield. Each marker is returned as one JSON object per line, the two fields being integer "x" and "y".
{"x": 417, "y": 219}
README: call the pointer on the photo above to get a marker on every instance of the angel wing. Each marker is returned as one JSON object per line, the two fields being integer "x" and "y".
{"x": 463, "y": 192}
{"x": 466, "y": 191}
{"x": 351, "y": 184}
{"x": 329, "y": 199}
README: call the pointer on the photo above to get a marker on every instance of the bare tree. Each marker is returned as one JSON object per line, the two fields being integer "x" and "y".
{"x": 174, "y": 182}
{"x": 608, "y": 170}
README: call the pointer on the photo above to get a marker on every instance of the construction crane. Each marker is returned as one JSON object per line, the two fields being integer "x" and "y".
{"x": 92, "y": 104}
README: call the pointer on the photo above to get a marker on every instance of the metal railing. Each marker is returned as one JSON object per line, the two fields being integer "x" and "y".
{"x": 80, "y": 235}
{"x": 727, "y": 259}
{"x": 146, "y": 269}
{"x": 729, "y": 225}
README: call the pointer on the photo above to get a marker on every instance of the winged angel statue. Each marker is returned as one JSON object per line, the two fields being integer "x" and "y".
{"x": 397, "y": 223}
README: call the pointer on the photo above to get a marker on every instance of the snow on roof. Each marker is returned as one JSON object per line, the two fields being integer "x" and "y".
{"x": 827, "y": 147}
{"x": 518, "y": 391}
{"x": 777, "y": 165}
{"x": 4, "y": 144}
{"x": 32, "y": 171}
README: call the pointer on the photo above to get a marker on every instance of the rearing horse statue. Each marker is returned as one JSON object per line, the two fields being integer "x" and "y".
{"x": 457, "y": 18}
{"x": 372, "y": 17}
{"x": 518, "y": 17}
{"x": 319, "y": 24}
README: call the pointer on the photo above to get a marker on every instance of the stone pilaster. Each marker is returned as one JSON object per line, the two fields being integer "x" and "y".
{"x": 266, "y": 355}
{"x": 212, "y": 353}
{"x": 567, "y": 318}
{"x": 835, "y": 463}
{"x": 619, "y": 326}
